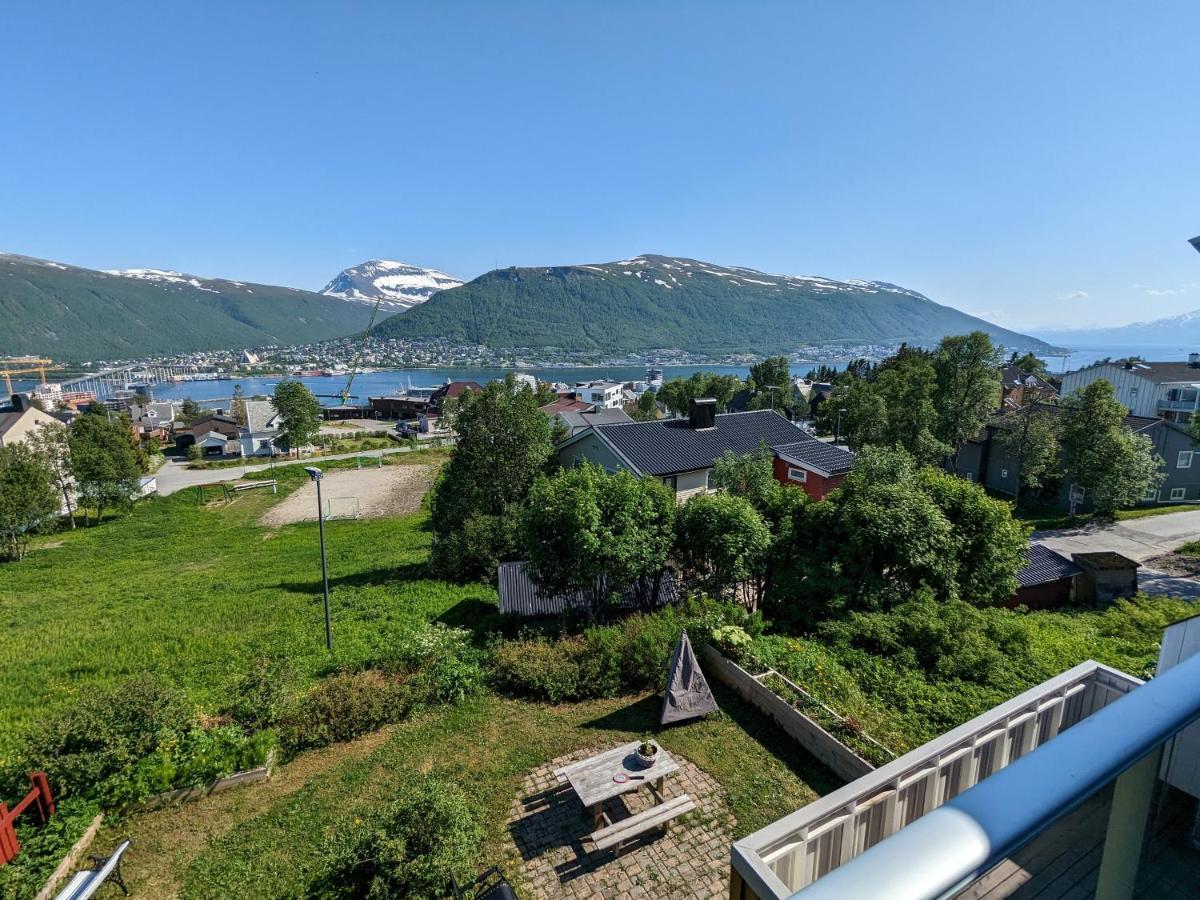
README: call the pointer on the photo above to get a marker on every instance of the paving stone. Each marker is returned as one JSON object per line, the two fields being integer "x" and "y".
{"x": 548, "y": 859}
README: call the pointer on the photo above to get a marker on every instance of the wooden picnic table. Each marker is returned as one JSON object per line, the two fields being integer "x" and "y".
{"x": 592, "y": 778}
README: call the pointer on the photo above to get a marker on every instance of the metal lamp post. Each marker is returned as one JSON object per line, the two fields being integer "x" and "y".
{"x": 315, "y": 474}
{"x": 837, "y": 429}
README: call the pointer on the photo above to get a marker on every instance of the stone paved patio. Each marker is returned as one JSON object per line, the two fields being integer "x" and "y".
{"x": 547, "y": 854}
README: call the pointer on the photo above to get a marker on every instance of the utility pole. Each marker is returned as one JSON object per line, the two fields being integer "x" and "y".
{"x": 837, "y": 429}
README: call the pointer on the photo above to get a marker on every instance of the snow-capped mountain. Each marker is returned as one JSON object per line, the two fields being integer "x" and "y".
{"x": 1182, "y": 330}
{"x": 400, "y": 285}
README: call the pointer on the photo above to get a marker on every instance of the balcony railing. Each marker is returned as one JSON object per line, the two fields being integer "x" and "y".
{"x": 1177, "y": 405}
{"x": 795, "y": 851}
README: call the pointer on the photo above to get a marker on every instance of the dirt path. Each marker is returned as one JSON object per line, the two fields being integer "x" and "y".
{"x": 386, "y": 491}
{"x": 165, "y": 842}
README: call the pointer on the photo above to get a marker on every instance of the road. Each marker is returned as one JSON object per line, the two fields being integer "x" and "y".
{"x": 1139, "y": 539}
{"x": 174, "y": 475}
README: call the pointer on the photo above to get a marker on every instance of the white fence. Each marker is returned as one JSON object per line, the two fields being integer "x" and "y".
{"x": 798, "y": 849}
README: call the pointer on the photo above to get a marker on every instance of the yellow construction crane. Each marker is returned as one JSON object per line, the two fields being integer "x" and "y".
{"x": 23, "y": 365}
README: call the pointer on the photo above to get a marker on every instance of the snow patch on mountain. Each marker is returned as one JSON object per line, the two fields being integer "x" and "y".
{"x": 397, "y": 286}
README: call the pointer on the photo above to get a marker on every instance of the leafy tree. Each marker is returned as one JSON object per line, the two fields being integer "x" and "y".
{"x": 721, "y": 545}
{"x": 968, "y": 387}
{"x": 504, "y": 442}
{"x": 189, "y": 410}
{"x": 1030, "y": 364}
{"x": 52, "y": 442}
{"x": 238, "y": 405}
{"x": 103, "y": 461}
{"x": 28, "y": 500}
{"x": 865, "y": 420}
{"x": 889, "y": 530}
{"x": 587, "y": 531}
{"x": 1030, "y": 436}
{"x": 987, "y": 541}
{"x": 750, "y": 476}
{"x": 299, "y": 415}
{"x": 678, "y": 393}
{"x": 545, "y": 393}
{"x": 771, "y": 383}
{"x": 1115, "y": 467}
{"x": 907, "y": 383}
{"x": 647, "y": 407}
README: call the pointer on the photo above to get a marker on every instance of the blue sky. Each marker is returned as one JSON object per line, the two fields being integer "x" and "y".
{"x": 1036, "y": 163}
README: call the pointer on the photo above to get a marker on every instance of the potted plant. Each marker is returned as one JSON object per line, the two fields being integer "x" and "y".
{"x": 647, "y": 752}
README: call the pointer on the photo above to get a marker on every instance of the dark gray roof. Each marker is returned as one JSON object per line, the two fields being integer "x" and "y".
{"x": 671, "y": 445}
{"x": 820, "y": 454}
{"x": 1043, "y": 565}
{"x": 1004, "y": 418}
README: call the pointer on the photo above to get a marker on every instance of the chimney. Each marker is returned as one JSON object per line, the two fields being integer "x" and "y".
{"x": 1194, "y": 360}
{"x": 702, "y": 414}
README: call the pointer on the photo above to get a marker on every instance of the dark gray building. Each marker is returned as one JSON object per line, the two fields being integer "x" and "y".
{"x": 982, "y": 460}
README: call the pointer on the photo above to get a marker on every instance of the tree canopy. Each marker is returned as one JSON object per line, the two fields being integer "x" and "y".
{"x": 104, "y": 460}
{"x": 1115, "y": 467}
{"x": 299, "y": 415}
{"x": 504, "y": 442}
{"x": 721, "y": 545}
{"x": 587, "y": 531}
{"x": 28, "y": 500}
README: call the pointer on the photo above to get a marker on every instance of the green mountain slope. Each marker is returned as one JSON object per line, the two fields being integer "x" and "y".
{"x": 74, "y": 314}
{"x": 657, "y": 302}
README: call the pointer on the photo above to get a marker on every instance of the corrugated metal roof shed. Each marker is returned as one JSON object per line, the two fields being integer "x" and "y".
{"x": 520, "y": 596}
{"x": 1043, "y": 565}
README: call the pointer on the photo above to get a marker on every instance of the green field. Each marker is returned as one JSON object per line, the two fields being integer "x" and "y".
{"x": 192, "y": 593}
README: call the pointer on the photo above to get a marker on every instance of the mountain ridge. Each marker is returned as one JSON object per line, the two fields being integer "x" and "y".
{"x": 653, "y": 302}
{"x": 72, "y": 313}
{"x": 1181, "y": 329}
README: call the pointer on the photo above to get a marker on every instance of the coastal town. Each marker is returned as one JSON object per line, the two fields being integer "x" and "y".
{"x": 542, "y": 451}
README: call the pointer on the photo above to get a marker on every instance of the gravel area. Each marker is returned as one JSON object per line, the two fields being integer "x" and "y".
{"x": 387, "y": 491}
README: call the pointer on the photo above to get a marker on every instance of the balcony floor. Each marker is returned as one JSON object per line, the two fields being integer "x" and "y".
{"x": 1064, "y": 862}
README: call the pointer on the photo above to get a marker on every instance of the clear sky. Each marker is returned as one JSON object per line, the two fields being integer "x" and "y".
{"x": 1037, "y": 163}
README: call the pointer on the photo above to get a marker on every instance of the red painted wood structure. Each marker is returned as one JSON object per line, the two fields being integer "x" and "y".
{"x": 39, "y": 802}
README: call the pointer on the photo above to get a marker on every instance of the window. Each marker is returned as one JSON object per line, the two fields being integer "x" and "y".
{"x": 1178, "y": 493}
{"x": 795, "y": 474}
{"x": 1151, "y": 496}
{"x": 671, "y": 481}
{"x": 1184, "y": 460}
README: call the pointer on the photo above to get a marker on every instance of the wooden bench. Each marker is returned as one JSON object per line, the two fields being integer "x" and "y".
{"x": 85, "y": 883}
{"x": 654, "y": 817}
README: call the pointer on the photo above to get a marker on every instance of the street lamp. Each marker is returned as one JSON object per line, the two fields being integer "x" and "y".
{"x": 837, "y": 429}
{"x": 315, "y": 474}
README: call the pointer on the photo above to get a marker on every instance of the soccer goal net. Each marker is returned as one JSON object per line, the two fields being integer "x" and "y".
{"x": 341, "y": 508}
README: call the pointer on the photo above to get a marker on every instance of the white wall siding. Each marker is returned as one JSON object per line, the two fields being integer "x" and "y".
{"x": 1127, "y": 381}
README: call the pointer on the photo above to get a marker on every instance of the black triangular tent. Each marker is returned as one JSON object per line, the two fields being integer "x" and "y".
{"x": 687, "y": 693}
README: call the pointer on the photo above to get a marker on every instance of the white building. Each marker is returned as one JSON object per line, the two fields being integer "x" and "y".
{"x": 601, "y": 394}
{"x": 1166, "y": 390}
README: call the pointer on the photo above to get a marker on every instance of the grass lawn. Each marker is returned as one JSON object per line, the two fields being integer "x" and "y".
{"x": 268, "y": 835}
{"x": 1043, "y": 518}
{"x": 192, "y": 593}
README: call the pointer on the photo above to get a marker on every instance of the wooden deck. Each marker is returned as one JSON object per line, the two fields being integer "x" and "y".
{"x": 1064, "y": 862}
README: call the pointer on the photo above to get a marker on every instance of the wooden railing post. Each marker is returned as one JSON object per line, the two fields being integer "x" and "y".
{"x": 8, "y": 836}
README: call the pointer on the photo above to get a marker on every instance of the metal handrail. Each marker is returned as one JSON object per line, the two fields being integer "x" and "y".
{"x": 768, "y": 860}
{"x": 947, "y": 849}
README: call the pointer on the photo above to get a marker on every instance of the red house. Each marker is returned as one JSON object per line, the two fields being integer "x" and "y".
{"x": 812, "y": 465}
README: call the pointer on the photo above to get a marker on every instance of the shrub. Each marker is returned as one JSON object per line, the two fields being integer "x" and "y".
{"x": 408, "y": 851}
{"x": 194, "y": 452}
{"x": 548, "y": 670}
{"x": 732, "y": 640}
{"x": 630, "y": 655}
{"x": 445, "y": 668}
{"x": 342, "y": 707}
{"x": 261, "y": 695}
{"x": 106, "y": 731}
